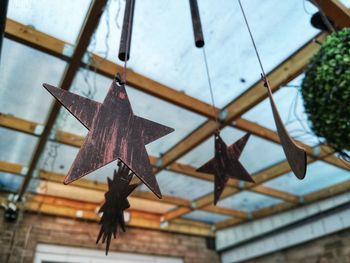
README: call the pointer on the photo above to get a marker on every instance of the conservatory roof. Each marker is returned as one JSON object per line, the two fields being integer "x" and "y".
{"x": 167, "y": 83}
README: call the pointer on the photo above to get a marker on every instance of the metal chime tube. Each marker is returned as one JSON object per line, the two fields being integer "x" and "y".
{"x": 124, "y": 48}
{"x": 3, "y": 11}
{"x": 196, "y": 22}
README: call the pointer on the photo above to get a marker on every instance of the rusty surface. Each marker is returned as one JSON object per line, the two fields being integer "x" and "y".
{"x": 114, "y": 133}
{"x": 225, "y": 164}
{"x": 115, "y": 203}
{"x": 197, "y": 25}
{"x": 296, "y": 156}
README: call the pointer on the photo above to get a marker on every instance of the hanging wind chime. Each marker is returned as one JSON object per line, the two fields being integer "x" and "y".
{"x": 296, "y": 156}
{"x": 225, "y": 163}
{"x": 114, "y": 133}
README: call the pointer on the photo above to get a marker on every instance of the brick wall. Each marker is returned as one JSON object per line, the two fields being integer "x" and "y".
{"x": 334, "y": 248}
{"x": 35, "y": 229}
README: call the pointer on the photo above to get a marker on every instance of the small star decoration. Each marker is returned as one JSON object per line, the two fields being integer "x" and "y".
{"x": 115, "y": 203}
{"x": 225, "y": 164}
{"x": 114, "y": 133}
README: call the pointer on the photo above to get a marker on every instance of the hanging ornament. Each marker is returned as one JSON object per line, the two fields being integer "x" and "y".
{"x": 225, "y": 164}
{"x": 296, "y": 156}
{"x": 196, "y": 22}
{"x": 114, "y": 133}
{"x": 115, "y": 203}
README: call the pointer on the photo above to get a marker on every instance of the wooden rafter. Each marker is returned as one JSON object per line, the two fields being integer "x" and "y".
{"x": 76, "y": 141}
{"x": 88, "y": 184}
{"x": 336, "y": 11}
{"x": 98, "y": 186}
{"x": 87, "y": 211}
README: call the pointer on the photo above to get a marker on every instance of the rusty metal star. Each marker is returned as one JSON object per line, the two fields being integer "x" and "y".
{"x": 114, "y": 133}
{"x": 225, "y": 164}
{"x": 115, "y": 203}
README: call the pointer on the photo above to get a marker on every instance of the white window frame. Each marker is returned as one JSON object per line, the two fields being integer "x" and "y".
{"x": 64, "y": 254}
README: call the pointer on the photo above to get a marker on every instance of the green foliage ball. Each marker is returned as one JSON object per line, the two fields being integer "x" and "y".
{"x": 326, "y": 90}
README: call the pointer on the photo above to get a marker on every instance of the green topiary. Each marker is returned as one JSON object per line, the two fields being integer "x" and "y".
{"x": 326, "y": 90}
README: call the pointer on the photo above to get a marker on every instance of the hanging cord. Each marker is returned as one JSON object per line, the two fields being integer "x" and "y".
{"x": 253, "y": 41}
{"x": 128, "y": 42}
{"x": 211, "y": 90}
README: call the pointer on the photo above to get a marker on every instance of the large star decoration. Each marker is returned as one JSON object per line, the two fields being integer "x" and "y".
{"x": 115, "y": 203}
{"x": 225, "y": 164}
{"x": 114, "y": 133}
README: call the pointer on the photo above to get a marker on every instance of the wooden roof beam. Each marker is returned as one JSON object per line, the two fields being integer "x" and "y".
{"x": 99, "y": 186}
{"x": 76, "y": 141}
{"x": 72, "y": 209}
{"x": 88, "y": 184}
{"x": 336, "y": 11}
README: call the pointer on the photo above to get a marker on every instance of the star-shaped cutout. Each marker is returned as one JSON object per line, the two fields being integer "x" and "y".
{"x": 225, "y": 164}
{"x": 115, "y": 203}
{"x": 114, "y": 133}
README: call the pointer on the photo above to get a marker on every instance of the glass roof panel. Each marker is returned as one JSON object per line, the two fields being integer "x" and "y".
{"x": 206, "y": 217}
{"x": 257, "y": 154}
{"x": 290, "y": 105}
{"x": 143, "y": 105}
{"x": 248, "y": 201}
{"x": 319, "y": 175}
{"x": 23, "y": 70}
{"x": 163, "y": 45}
{"x": 57, "y": 157}
{"x": 187, "y": 187}
{"x": 53, "y": 18}
{"x": 16, "y": 147}
{"x": 10, "y": 182}
{"x": 346, "y": 3}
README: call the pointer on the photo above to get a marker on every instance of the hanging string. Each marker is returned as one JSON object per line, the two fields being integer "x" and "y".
{"x": 210, "y": 89}
{"x": 128, "y": 40}
{"x": 253, "y": 41}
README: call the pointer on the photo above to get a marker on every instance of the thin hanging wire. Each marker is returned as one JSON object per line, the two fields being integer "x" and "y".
{"x": 253, "y": 41}
{"x": 211, "y": 89}
{"x": 128, "y": 42}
